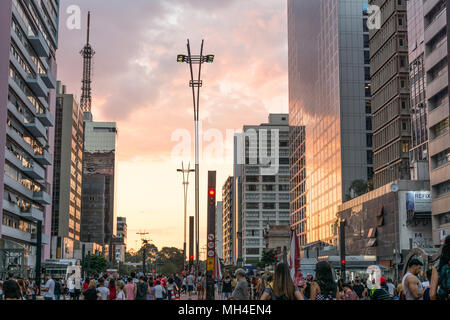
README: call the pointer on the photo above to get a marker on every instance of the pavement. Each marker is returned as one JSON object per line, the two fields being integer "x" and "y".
{"x": 195, "y": 297}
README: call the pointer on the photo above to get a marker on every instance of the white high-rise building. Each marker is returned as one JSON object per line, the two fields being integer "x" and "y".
{"x": 265, "y": 187}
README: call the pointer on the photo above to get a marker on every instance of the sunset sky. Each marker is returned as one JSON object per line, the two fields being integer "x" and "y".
{"x": 138, "y": 84}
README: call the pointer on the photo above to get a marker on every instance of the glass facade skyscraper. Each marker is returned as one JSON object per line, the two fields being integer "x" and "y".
{"x": 329, "y": 111}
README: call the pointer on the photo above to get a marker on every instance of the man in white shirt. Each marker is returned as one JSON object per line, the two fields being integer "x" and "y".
{"x": 391, "y": 287}
{"x": 104, "y": 292}
{"x": 49, "y": 288}
{"x": 159, "y": 289}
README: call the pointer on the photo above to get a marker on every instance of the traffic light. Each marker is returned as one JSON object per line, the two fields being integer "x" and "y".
{"x": 181, "y": 58}
{"x": 191, "y": 258}
{"x": 154, "y": 271}
{"x": 210, "y": 58}
{"x": 343, "y": 262}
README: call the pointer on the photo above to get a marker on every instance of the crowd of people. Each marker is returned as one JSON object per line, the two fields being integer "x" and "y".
{"x": 416, "y": 284}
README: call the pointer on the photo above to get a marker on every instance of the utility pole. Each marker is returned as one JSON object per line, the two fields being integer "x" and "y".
{"x": 38, "y": 254}
{"x": 196, "y": 59}
{"x": 186, "y": 173}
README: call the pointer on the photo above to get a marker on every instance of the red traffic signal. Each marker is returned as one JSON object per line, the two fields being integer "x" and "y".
{"x": 343, "y": 261}
{"x": 212, "y": 192}
{"x": 191, "y": 258}
{"x": 154, "y": 271}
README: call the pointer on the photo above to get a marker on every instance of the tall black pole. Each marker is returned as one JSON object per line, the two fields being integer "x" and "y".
{"x": 211, "y": 231}
{"x": 143, "y": 258}
{"x": 38, "y": 255}
{"x": 89, "y": 263}
{"x": 342, "y": 248}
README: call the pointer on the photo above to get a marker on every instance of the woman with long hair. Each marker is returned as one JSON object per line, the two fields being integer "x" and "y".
{"x": 112, "y": 289}
{"x": 283, "y": 287}
{"x": 324, "y": 287}
{"x": 91, "y": 293}
{"x": 439, "y": 290}
{"x": 24, "y": 291}
{"x": 120, "y": 290}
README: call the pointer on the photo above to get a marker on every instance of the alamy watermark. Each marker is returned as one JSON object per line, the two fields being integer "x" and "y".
{"x": 374, "y": 17}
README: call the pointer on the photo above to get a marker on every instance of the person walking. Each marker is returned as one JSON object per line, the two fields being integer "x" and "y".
{"x": 381, "y": 293}
{"x": 112, "y": 290}
{"x": 283, "y": 287}
{"x": 440, "y": 276}
{"x": 104, "y": 291}
{"x": 58, "y": 290}
{"x": 141, "y": 289}
{"x": 226, "y": 287}
{"x": 348, "y": 292}
{"x": 151, "y": 295}
{"x": 241, "y": 290}
{"x": 159, "y": 291}
{"x": 11, "y": 290}
{"x": 49, "y": 288}
{"x": 190, "y": 284}
{"x": 172, "y": 289}
{"x": 411, "y": 284}
{"x": 324, "y": 287}
{"x": 120, "y": 291}
{"x": 129, "y": 289}
{"x": 91, "y": 292}
{"x": 358, "y": 288}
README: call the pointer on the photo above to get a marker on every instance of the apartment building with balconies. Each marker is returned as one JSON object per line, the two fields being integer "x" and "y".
{"x": 28, "y": 42}
{"x": 436, "y": 20}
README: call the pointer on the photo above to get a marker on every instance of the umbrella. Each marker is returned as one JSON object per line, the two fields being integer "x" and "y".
{"x": 294, "y": 261}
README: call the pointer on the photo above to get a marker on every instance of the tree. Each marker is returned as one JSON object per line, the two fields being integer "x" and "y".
{"x": 268, "y": 258}
{"x": 171, "y": 255}
{"x": 97, "y": 263}
{"x": 358, "y": 188}
{"x": 169, "y": 268}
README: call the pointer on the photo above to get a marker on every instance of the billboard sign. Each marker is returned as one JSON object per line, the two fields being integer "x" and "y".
{"x": 418, "y": 201}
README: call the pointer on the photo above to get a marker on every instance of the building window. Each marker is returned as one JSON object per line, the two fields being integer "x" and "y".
{"x": 405, "y": 147}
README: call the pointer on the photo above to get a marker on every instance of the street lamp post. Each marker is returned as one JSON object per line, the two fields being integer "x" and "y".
{"x": 185, "y": 186}
{"x": 196, "y": 59}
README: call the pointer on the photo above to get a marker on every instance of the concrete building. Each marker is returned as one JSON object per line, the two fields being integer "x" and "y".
{"x": 29, "y": 40}
{"x": 99, "y": 165}
{"x": 436, "y": 20}
{"x": 229, "y": 235}
{"x": 418, "y": 153}
{"x": 219, "y": 228}
{"x": 387, "y": 224}
{"x": 277, "y": 238}
{"x": 67, "y": 178}
{"x": 390, "y": 93}
{"x": 119, "y": 242}
{"x": 329, "y": 111}
{"x": 265, "y": 187}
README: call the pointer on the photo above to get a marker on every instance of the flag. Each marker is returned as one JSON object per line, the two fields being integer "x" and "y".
{"x": 294, "y": 261}
{"x": 217, "y": 275}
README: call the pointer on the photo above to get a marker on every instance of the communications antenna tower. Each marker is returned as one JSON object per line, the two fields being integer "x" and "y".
{"x": 87, "y": 53}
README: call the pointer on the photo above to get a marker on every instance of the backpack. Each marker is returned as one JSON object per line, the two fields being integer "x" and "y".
{"x": 444, "y": 282}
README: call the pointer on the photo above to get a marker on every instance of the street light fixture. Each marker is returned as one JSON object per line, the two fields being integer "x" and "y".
{"x": 186, "y": 173}
{"x": 191, "y": 60}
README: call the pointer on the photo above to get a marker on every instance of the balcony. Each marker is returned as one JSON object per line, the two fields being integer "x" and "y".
{"x": 436, "y": 26}
{"x": 12, "y": 108}
{"x": 36, "y": 128}
{"x": 42, "y": 197}
{"x": 45, "y": 159}
{"x": 428, "y": 5}
{"x": 49, "y": 80}
{"x": 438, "y": 114}
{"x": 17, "y": 186}
{"x": 436, "y": 55}
{"x": 35, "y": 172}
{"x": 437, "y": 84}
{"x": 29, "y": 213}
{"x": 13, "y": 159}
{"x": 39, "y": 45}
{"x": 18, "y": 139}
{"x": 438, "y": 144}
{"x": 37, "y": 85}
{"x": 440, "y": 174}
{"x": 46, "y": 118}
{"x": 16, "y": 234}
{"x": 441, "y": 204}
